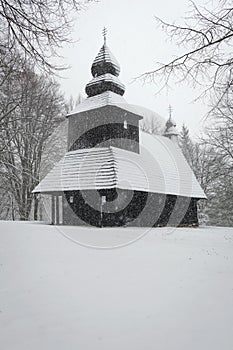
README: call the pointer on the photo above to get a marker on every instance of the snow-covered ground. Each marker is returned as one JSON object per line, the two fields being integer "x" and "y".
{"x": 171, "y": 289}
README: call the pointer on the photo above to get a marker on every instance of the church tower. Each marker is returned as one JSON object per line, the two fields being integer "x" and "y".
{"x": 104, "y": 119}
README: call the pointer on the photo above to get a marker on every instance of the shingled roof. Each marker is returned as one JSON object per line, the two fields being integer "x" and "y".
{"x": 105, "y": 62}
{"x": 160, "y": 168}
{"x": 109, "y": 98}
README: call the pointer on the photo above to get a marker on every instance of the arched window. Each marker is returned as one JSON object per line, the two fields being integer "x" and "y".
{"x": 125, "y": 124}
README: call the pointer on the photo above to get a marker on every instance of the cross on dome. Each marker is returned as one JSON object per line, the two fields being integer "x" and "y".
{"x": 170, "y": 122}
{"x": 170, "y": 111}
{"x": 170, "y": 127}
{"x": 104, "y": 32}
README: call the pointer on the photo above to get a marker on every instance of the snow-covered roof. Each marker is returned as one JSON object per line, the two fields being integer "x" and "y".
{"x": 105, "y": 82}
{"x": 160, "y": 168}
{"x": 106, "y": 77}
{"x": 171, "y": 131}
{"x": 110, "y": 98}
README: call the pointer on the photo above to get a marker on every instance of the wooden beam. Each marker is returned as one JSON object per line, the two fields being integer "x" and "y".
{"x": 53, "y": 209}
{"x": 57, "y": 210}
{"x": 62, "y": 209}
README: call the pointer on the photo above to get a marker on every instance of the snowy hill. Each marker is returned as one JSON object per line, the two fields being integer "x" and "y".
{"x": 170, "y": 289}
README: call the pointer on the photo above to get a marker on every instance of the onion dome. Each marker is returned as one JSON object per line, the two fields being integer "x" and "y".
{"x": 105, "y": 71}
{"x": 104, "y": 63}
{"x": 170, "y": 128}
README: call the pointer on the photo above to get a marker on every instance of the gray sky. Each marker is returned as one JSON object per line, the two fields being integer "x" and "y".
{"x": 137, "y": 44}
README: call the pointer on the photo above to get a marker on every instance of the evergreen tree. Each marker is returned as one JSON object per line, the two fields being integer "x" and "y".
{"x": 186, "y": 145}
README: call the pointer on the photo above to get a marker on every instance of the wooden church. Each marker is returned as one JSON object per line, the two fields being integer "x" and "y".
{"x": 113, "y": 174}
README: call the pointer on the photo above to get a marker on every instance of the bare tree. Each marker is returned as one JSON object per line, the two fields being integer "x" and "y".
{"x": 212, "y": 164}
{"x": 205, "y": 38}
{"x": 220, "y": 130}
{"x": 38, "y": 28}
{"x": 220, "y": 138}
{"x": 152, "y": 124}
{"x": 73, "y": 103}
{"x": 10, "y": 64}
{"x": 24, "y": 134}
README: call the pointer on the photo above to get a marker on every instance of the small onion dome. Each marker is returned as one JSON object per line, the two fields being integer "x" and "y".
{"x": 104, "y": 63}
{"x": 105, "y": 82}
{"x": 170, "y": 129}
{"x": 170, "y": 123}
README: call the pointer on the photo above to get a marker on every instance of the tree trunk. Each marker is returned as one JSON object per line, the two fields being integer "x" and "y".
{"x": 12, "y": 209}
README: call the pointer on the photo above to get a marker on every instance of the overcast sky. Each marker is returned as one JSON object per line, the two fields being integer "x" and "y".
{"x": 137, "y": 44}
